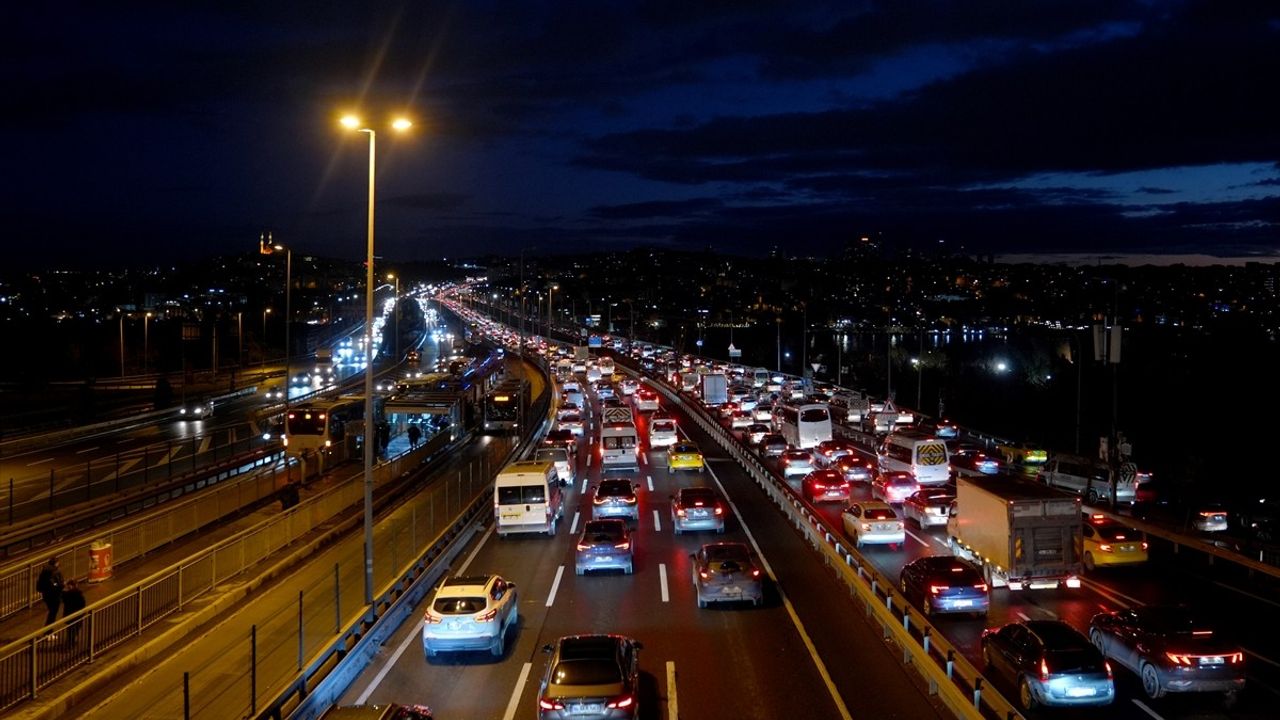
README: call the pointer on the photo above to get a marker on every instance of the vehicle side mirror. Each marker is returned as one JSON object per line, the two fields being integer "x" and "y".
{"x": 548, "y": 648}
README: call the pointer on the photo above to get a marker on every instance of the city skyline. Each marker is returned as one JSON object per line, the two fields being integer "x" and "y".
{"x": 1043, "y": 129}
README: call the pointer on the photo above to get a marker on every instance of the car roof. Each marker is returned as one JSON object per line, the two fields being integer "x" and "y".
{"x": 583, "y": 647}
{"x": 1057, "y": 634}
{"x": 874, "y": 505}
{"x": 464, "y": 584}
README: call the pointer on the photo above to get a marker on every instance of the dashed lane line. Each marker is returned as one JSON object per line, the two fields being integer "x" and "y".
{"x": 555, "y": 586}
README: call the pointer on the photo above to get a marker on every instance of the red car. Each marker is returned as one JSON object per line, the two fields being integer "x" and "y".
{"x": 894, "y": 487}
{"x": 828, "y": 451}
{"x": 825, "y": 486}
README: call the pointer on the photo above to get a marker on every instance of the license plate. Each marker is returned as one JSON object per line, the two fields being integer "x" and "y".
{"x": 834, "y": 493}
{"x": 1081, "y": 691}
{"x": 731, "y": 590}
{"x": 586, "y": 708}
{"x": 454, "y": 625}
{"x": 604, "y": 558}
{"x": 964, "y": 603}
{"x": 1216, "y": 660}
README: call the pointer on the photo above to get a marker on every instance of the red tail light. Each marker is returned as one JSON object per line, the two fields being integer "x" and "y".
{"x": 598, "y": 500}
{"x": 630, "y": 499}
{"x": 433, "y": 619}
{"x": 486, "y": 617}
{"x": 550, "y": 704}
{"x": 704, "y": 574}
{"x": 935, "y": 589}
{"x": 1108, "y": 666}
{"x": 625, "y": 701}
{"x": 1144, "y": 545}
{"x": 1177, "y": 659}
{"x": 624, "y": 545}
{"x": 1104, "y": 547}
{"x": 1044, "y": 671}
{"x": 755, "y": 572}
{"x": 583, "y": 546}
{"x": 1235, "y": 658}
{"x": 719, "y": 510}
{"x": 680, "y": 512}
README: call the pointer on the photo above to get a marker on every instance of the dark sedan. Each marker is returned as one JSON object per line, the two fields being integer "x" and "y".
{"x": 944, "y": 584}
{"x": 1049, "y": 662}
{"x": 591, "y": 677}
{"x": 1171, "y": 649}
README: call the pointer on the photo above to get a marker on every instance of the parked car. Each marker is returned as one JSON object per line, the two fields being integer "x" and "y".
{"x": 591, "y": 676}
{"x": 727, "y": 572}
{"x": 945, "y": 584}
{"x": 1049, "y": 662}
{"x": 1171, "y": 649}
{"x": 697, "y": 508}
{"x": 605, "y": 545}
{"x": 470, "y": 612}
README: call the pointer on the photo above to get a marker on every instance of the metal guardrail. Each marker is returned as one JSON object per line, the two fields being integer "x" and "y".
{"x": 35, "y": 661}
{"x": 950, "y": 676}
{"x": 1178, "y": 540}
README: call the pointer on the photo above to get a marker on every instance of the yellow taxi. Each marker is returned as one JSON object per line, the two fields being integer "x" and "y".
{"x": 685, "y": 456}
{"x": 1106, "y": 542}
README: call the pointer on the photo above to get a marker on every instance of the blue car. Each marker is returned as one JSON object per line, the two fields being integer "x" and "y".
{"x": 945, "y": 584}
{"x": 605, "y": 545}
{"x": 1049, "y": 662}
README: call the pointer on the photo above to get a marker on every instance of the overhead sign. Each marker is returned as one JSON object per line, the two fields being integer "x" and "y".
{"x": 595, "y": 341}
{"x": 734, "y": 352}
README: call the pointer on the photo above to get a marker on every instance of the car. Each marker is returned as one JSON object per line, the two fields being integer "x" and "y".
{"x": 274, "y": 394}
{"x": 825, "y": 486}
{"x": 386, "y": 711}
{"x": 762, "y": 412}
{"x": 628, "y": 386}
{"x": 685, "y": 456}
{"x": 1172, "y": 649}
{"x": 1049, "y": 662}
{"x": 796, "y": 462}
{"x": 470, "y": 612}
{"x": 827, "y": 452}
{"x": 697, "y": 508}
{"x": 1106, "y": 542}
{"x": 945, "y": 584}
{"x": 615, "y": 498}
{"x": 605, "y": 545}
{"x": 604, "y": 389}
{"x": 196, "y": 410}
{"x": 928, "y": 506}
{"x": 662, "y": 433}
{"x": 894, "y": 487}
{"x": 969, "y": 457}
{"x": 873, "y": 523}
{"x": 726, "y": 410}
{"x": 772, "y": 445}
{"x": 727, "y": 572}
{"x": 946, "y": 429}
{"x": 740, "y": 419}
{"x": 595, "y": 677}
{"x": 566, "y": 409}
{"x": 645, "y": 400}
{"x": 754, "y": 433}
{"x": 573, "y": 423}
{"x": 612, "y": 402}
{"x": 1023, "y": 453}
{"x": 562, "y": 438}
{"x": 856, "y": 468}
{"x": 562, "y": 458}
{"x": 1210, "y": 518}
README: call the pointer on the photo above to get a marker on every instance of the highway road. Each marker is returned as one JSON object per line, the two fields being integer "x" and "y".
{"x": 805, "y": 653}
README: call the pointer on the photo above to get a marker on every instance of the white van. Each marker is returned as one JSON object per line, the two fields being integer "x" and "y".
{"x": 1087, "y": 478}
{"x": 924, "y": 456}
{"x": 563, "y": 460}
{"x": 527, "y": 498}
{"x": 619, "y": 446}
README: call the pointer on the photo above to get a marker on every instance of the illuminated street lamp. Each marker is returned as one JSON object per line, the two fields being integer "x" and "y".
{"x": 351, "y": 122}
{"x": 265, "y": 313}
{"x": 146, "y": 340}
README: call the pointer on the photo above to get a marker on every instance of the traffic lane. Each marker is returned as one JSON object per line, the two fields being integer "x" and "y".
{"x": 853, "y": 653}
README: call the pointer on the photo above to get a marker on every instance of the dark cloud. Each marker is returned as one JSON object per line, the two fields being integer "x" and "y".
{"x": 1156, "y": 191}
{"x": 657, "y": 208}
{"x": 429, "y": 201}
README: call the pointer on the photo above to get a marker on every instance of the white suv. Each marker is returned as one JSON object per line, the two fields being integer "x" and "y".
{"x": 470, "y": 612}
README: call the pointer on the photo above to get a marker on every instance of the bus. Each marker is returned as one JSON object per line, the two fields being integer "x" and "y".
{"x": 322, "y": 424}
{"x": 503, "y": 404}
{"x": 804, "y": 426}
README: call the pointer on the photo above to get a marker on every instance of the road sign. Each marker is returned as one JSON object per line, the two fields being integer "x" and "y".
{"x": 1128, "y": 472}
{"x": 698, "y": 342}
{"x": 734, "y": 352}
{"x": 595, "y": 341}
{"x": 617, "y": 415}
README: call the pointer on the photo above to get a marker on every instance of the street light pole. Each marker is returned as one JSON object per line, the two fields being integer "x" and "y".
{"x": 265, "y": 313}
{"x": 146, "y": 340}
{"x": 370, "y": 441}
{"x": 121, "y": 313}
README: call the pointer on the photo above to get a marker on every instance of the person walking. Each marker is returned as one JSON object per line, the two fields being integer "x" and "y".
{"x": 72, "y": 602}
{"x": 414, "y": 435}
{"x": 49, "y": 585}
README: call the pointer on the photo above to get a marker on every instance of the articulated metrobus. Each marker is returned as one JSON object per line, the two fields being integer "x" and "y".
{"x": 323, "y": 424}
{"x": 503, "y": 404}
{"x": 804, "y": 426}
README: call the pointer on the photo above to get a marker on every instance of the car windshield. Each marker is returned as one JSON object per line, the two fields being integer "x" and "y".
{"x": 880, "y": 514}
{"x": 458, "y": 605}
{"x": 721, "y": 553}
{"x": 1074, "y": 660}
{"x": 663, "y": 426}
{"x": 586, "y": 672}
{"x": 682, "y": 448}
{"x": 521, "y": 494}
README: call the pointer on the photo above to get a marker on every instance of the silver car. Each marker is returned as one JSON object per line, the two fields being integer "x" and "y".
{"x": 615, "y": 498}
{"x": 727, "y": 572}
{"x": 591, "y": 677}
{"x": 605, "y": 545}
{"x": 470, "y": 612}
{"x": 697, "y": 508}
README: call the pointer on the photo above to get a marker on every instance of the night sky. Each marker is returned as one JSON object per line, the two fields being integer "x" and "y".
{"x": 140, "y": 132}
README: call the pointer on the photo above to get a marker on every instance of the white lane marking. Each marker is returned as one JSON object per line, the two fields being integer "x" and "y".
{"x": 644, "y": 458}
{"x": 786, "y": 603}
{"x": 462, "y": 569}
{"x": 1263, "y": 658}
{"x": 395, "y": 657}
{"x": 1145, "y": 709}
{"x": 514, "y": 702}
{"x": 916, "y": 537}
{"x": 657, "y": 522}
{"x": 555, "y": 585}
{"x": 1246, "y": 593}
{"x": 585, "y": 479}
{"x": 81, "y": 452}
{"x": 662, "y": 578}
{"x": 590, "y": 457}
{"x": 1022, "y": 615}
{"x": 673, "y": 712}
{"x": 940, "y": 541}
{"x": 573, "y": 526}
{"x": 650, "y": 479}
{"x": 40, "y": 462}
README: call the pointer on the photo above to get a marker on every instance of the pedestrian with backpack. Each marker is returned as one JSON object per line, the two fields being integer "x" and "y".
{"x": 49, "y": 585}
